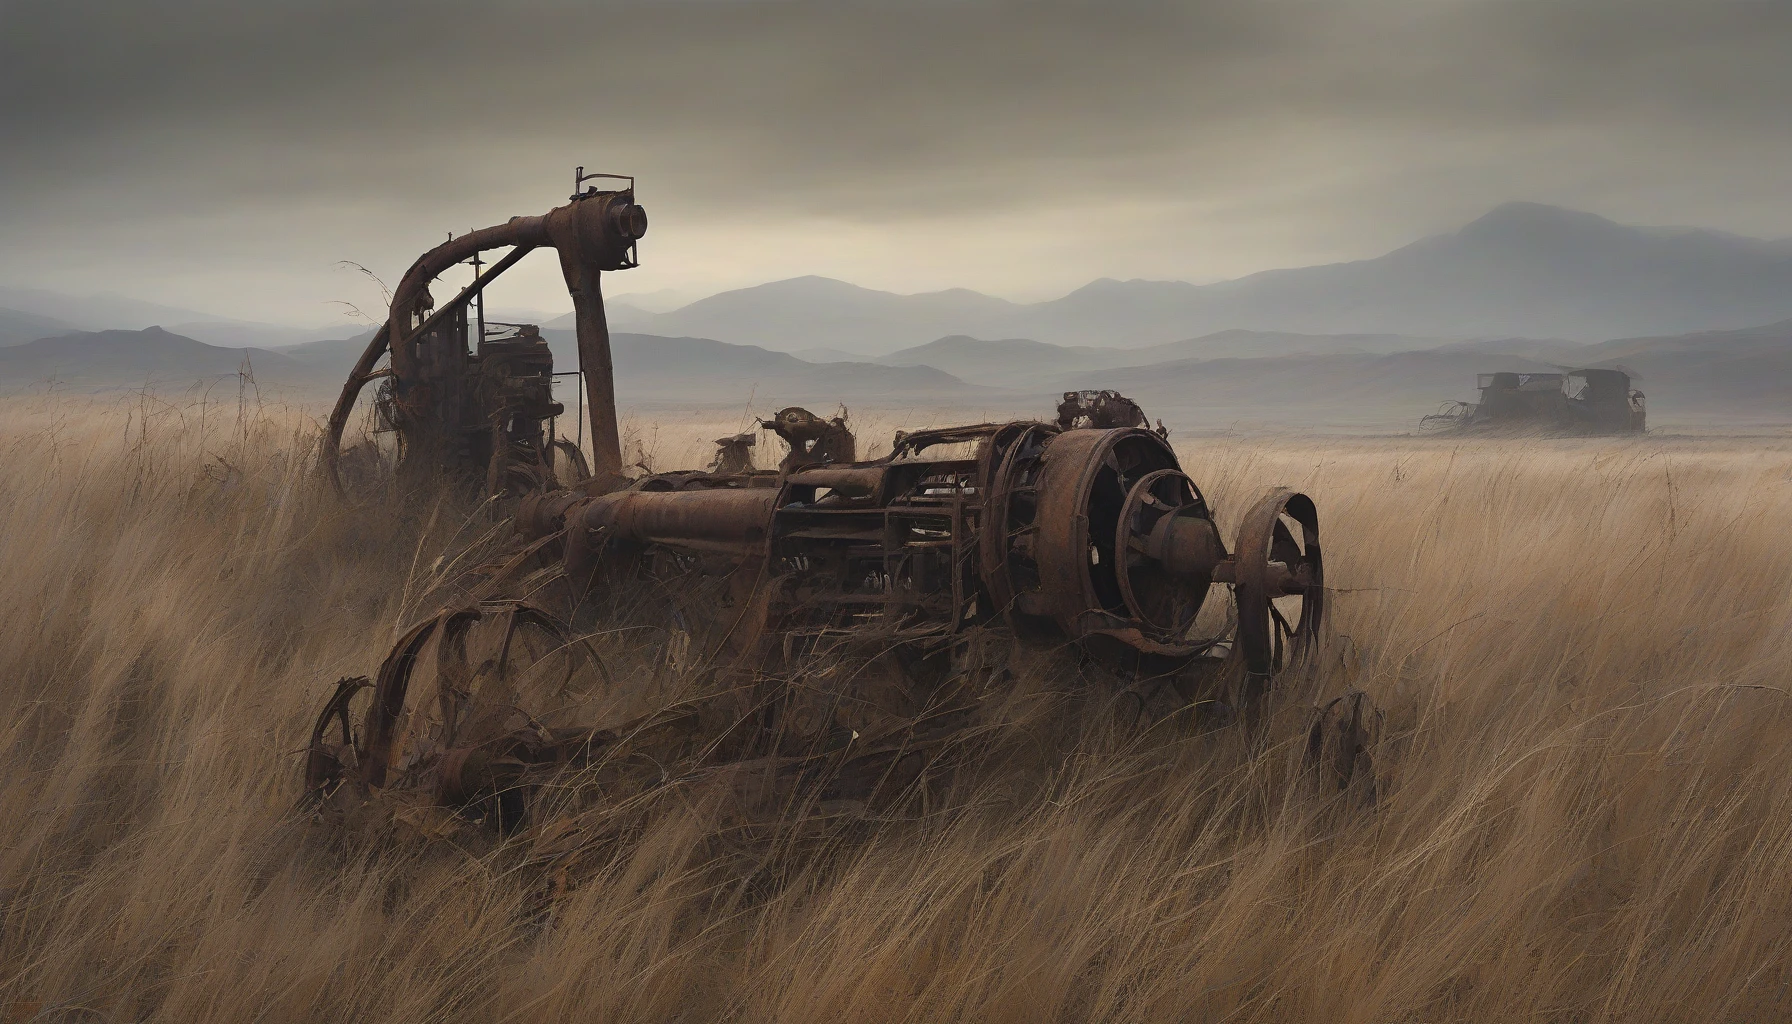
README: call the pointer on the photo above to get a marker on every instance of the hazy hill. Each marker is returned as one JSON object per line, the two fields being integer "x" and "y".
{"x": 97, "y": 312}
{"x": 1366, "y": 391}
{"x": 1771, "y": 339}
{"x": 1242, "y": 344}
{"x": 1004, "y": 362}
{"x": 826, "y": 355}
{"x": 1263, "y": 380}
{"x": 658, "y": 369}
{"x": 246, "y": 333}
{"x": 1523, "y": 269}
{"x": 105, "y": 312}
{"x": 1260, "y": 379}
{"x": 818, "y": 312}
{"x": 334, "y": 354}
{"x": 1703, "y": 375}
{"x": 133, "y": 357}
{"x": 667, "y": 369}
{"x": 619, "y": 311}
{"x": 1712, "y": 377}
{"x": 1021, "y": 362}
{"x": 1294, "y": 381}
{"x": 18, "y": 327}
{"x": 1744, "y": 374}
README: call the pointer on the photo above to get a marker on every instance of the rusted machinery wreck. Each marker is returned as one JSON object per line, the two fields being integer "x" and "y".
{"x": 850, "y": 622}
{"x": 1586, "y": 401}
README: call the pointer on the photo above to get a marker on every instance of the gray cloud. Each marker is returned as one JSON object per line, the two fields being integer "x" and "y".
{"x": 226, "y": 153}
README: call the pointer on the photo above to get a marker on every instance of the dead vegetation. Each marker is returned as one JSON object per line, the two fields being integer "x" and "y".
{"x": 1582, "y": 809}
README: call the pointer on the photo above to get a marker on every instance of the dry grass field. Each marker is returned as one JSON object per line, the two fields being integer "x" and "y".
{"x": 1583, "y": 650}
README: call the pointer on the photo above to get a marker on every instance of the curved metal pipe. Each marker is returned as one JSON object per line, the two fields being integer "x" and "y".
{"x": 345, "y": 404}
{"x": 732, "y": 521}
{"x": 593, "y": 233}
{"x": 518, "y": 231}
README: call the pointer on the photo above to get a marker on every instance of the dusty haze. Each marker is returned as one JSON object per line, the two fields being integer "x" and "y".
{"x": 223, "y": 156}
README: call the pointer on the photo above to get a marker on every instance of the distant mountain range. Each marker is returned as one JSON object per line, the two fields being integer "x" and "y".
{"x": 699, "y": 370}
{"x": 1525, "y": 287}
{"x": 149, "y": 356}
{"x": 1351, "y": 381}
{"x": 18, "y": 327}
{"x": 97, "y": 312}
{"x": 808, "y": 312}
{"x": 1381, "y": 380}
{"x": 1523, "y": 269}
{"x": 1022, "y": 362}
{"x": 660, "y": 370}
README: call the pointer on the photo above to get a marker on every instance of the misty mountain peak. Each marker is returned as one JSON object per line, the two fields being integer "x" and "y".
{"x": 811, "y": 284}
{"x": 1132, "y": 288}
{"x": 1524, "y": 221}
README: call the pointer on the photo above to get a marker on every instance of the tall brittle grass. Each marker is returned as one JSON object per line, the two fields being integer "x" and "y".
{"x": 1584, "y": 812}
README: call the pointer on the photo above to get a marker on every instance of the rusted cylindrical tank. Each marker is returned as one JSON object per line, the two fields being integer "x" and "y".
{"x": 731, "y": 521}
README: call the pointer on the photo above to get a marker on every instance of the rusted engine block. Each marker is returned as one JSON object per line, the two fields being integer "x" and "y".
{"x": 852, "y": 621}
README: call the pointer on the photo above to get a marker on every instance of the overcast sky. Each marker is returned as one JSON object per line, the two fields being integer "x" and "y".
{"x": 225, "y": 154}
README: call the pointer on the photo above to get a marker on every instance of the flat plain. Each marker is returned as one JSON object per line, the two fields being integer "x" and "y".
{"x": 1582, "y": 650}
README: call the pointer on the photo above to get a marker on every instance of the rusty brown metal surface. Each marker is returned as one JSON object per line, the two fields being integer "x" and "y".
{"x": 851, "y": 481}
{"x": 851, "y": 619}
{"x": 434, "y": 361}
{"x": 1280, "y": 588}
{"x": 848, "y": 621}
{"x": 726, "y": 520}
{"x": 813, "y": 441}
{"x": 734, "y": 454}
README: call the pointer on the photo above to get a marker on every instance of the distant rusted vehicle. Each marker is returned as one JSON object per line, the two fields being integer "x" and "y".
{"x": 850, "y": 622}
{"x": 1584, "y": 401}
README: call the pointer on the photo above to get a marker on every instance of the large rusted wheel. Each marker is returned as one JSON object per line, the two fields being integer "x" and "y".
{"x": 1279, "y": 585}
{"x": 470, "y": 676}
{"x": 1014, "y": 459}
{"x": 1083, "y": 488}
{"x": 1164, "y": 602}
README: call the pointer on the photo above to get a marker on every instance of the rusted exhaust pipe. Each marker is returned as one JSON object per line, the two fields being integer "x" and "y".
{"x": 730, "y": 521}
{"x": 853, "y": 482}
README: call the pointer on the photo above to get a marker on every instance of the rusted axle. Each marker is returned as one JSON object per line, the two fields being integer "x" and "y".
{"x": 1090, "y": 532}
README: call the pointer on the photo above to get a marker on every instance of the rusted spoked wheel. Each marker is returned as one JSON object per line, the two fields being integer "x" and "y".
{"x": 1011, "y": 511}
{"x": 462, "y": 676}
{"x": 1165, "y": 602}
{"x": 1279, "y": 585}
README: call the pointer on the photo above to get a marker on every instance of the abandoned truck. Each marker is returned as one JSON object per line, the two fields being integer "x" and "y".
{"x": 1585, "y": 401}
{"x": 835, "y": 628}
